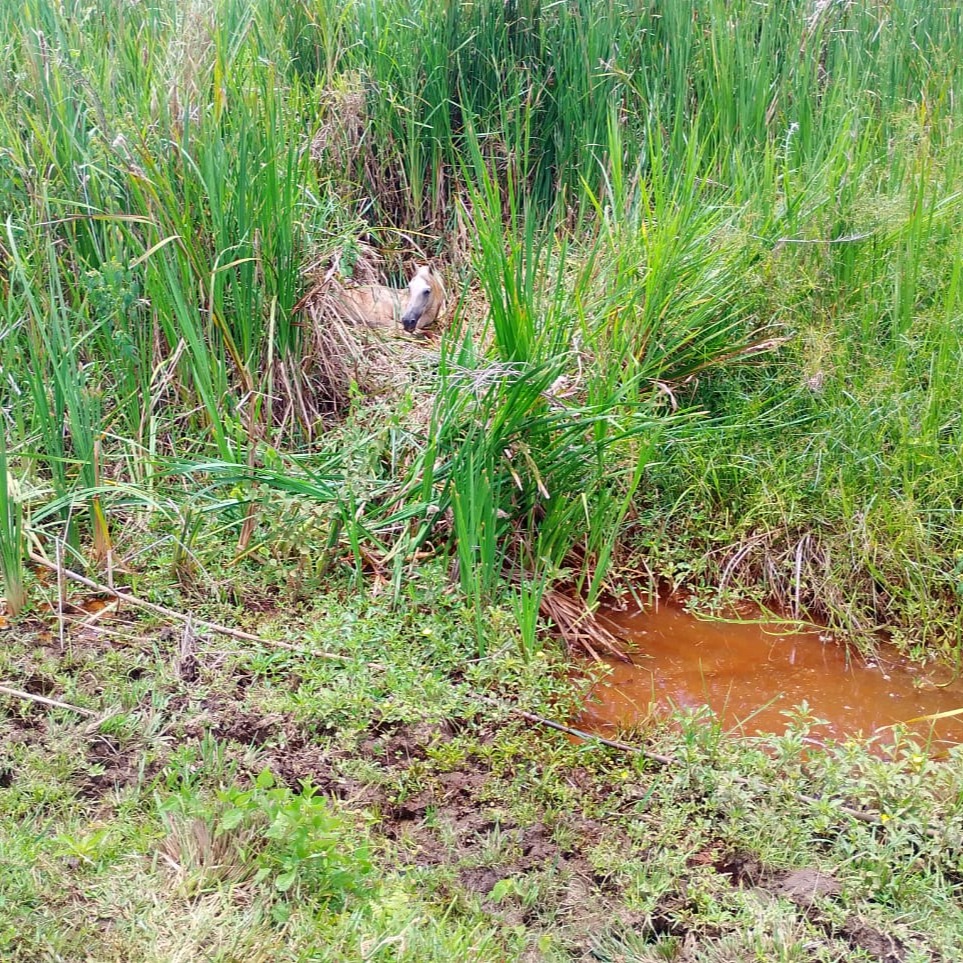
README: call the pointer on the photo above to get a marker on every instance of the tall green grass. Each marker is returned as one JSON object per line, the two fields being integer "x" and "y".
{"x": 11, "y": 535}
{"x": 716, "y": 240}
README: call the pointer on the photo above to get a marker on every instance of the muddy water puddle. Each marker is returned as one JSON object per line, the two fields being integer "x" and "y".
{"x": 750, "y": 674}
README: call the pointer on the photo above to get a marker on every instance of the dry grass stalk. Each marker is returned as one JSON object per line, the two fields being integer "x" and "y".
{"x": 189, "y": 63}
{"x": 199, "y": 858}
{"x": 578, "y": 625}
{"x": 344, "y": 117}
{"x": 338, "y": 354}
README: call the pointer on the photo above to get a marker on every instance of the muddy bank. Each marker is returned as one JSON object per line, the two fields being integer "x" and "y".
{"x": 491, "y": 822}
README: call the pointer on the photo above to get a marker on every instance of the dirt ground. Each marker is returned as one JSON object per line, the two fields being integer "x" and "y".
{"x": 491, "y": 817}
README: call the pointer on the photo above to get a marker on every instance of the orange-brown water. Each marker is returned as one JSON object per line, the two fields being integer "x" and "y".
{"x": 749, "y": 674}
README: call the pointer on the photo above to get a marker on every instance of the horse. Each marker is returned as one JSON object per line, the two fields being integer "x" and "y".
{"x": 414, "y": 309}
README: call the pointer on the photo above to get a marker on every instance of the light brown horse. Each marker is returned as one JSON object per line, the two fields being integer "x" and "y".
{"x": 413, "y": 309}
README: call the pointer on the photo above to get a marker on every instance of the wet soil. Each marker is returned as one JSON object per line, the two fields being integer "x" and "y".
{"x": 457, "y": 820}
{"x": 751, "y": 673}
{"x": 433, "y": 798}
{"x": 812, "y": 892}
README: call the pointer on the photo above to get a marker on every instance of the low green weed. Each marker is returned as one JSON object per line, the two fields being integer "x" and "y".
{"x": 294, "y": 841}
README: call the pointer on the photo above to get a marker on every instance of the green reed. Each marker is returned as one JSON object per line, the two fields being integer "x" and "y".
{"x": 736, "y": 208}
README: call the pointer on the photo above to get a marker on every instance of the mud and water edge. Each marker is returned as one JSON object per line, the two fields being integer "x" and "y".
{"x": 754, "y": 674}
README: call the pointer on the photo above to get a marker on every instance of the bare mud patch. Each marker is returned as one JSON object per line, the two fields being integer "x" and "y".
{"x": 110, "y": 766}
{"x": 808, "y": 889}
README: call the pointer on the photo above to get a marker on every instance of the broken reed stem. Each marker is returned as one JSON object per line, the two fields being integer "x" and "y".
{"x": 588, "y": 737}
{"x": 180, "y": 617}
{"x": 43, "y": 700}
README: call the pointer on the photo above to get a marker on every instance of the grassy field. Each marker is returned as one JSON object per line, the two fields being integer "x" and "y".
{"x": 705, "y": 266}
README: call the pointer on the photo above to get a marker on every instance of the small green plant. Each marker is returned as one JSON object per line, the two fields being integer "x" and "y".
{"x": 307, "y": 851}
{"x": 525, "y": 607}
